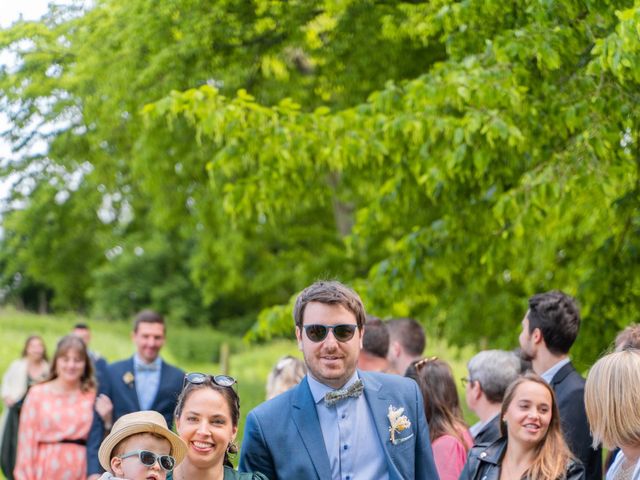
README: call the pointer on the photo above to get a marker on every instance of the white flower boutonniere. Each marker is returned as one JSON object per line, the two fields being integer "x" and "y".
{"x": 128, "y": 379}
{"x": 397, "y": 423}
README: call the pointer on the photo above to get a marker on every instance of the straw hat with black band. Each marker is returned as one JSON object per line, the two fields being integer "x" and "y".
{"x": 147, "y": 421}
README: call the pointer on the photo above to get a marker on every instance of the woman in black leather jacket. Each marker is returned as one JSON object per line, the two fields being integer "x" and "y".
{"x": 532, "y": 446}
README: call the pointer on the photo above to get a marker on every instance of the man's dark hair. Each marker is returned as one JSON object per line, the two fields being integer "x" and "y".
{"x": 409, "y": 333}
{"x": 375, "y": 340}
{"x": 556, "y": 315}
{"x": 148, "y": 316}
{"x": 81, "y": 326}
{"x": 333, "y": 293}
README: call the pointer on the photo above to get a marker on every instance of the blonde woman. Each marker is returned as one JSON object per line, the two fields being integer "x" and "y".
{"x": 611, "y": 400}
{"x": 28, "y": 370}
{"x": 532, "y": 446}
{"x": 287, "y": 373}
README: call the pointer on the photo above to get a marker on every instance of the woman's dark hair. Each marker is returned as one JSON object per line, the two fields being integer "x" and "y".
{"x": 441, "y": 402}
{"x": 72, "y": 342}
{"x": 230, "y": 396}
{"x": 28, "y": 341}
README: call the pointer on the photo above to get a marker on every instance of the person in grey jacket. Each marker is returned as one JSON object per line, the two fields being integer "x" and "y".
{"x": 532, "y": 445}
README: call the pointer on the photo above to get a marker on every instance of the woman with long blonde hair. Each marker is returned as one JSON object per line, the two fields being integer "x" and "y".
{"x": 532, "y": 446}
{"x": 611, "y": 400}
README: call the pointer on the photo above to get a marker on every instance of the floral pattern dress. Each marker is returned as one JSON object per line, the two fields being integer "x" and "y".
{"x": 48, "y": 417}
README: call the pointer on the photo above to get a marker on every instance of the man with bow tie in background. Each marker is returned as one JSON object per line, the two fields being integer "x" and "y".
{"x": 339, "y": 422}
{"x": 141, "y": 382}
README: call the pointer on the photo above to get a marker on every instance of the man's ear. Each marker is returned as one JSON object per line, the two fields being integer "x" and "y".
{"x": 536, "y": 336}
{"x": 361, "y": 332}
{"x": 476, "y": 390}
{"x": 299, "y": 337}
{"x": 394, "y": 349}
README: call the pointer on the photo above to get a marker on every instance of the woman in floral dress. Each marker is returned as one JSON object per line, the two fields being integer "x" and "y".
{"x": 56, "y": 418}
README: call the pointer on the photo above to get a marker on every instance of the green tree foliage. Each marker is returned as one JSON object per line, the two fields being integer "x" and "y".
{"x": 448, "y": 159}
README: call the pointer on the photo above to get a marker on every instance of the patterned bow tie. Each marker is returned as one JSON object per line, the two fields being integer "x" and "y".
{"x": 148, "y": 367}
{"x": 355, "y": 390}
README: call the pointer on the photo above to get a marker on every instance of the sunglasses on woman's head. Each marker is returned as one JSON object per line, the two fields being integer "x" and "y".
{"x": 148, "y": 459}
{"x": 200, "y": 378}
{"x": 342, "y": 333}
{"x": 419, "y": 365}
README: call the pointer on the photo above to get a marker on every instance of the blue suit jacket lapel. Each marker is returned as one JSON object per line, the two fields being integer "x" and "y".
{"x": 131, "y": 390}
{"x": 379, "y": 403}
{"x": 306, "y": 419}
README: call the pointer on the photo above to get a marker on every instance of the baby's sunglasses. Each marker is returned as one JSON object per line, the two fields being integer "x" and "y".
{"x": 147, "y": 458}
{"x": 342, "y": 333}
{"x": 199, "y": 378}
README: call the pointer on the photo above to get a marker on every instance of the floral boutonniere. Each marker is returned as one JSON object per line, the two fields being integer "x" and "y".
{"x": 397, "y": 423}
{"x": 128, "y": 379}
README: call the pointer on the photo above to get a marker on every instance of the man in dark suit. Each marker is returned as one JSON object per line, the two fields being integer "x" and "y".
{"x": 142, "y": 382}
{"x": 549, "y": 329}
{"x": 99, "y": 363}
{"x": 339, "y": 422}
{"x": 490, "y": 373}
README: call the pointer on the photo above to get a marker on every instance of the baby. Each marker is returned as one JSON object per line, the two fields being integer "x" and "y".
{"x": 140, "y": 447}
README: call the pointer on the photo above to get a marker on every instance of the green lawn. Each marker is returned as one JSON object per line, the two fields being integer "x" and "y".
{"x": 250, "y": 364}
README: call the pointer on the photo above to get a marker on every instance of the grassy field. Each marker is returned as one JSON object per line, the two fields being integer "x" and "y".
{"x": 250, "y": 364}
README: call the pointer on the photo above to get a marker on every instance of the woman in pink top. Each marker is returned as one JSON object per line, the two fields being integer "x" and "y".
{"x": 56, "y": 418}
{"x": 450, "y": 438}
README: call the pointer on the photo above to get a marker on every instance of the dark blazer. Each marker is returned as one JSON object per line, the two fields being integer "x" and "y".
{"x": 283, "y": 438}
{"x": 489, "y": 433}
{"x": 100, "y": 367}
{"x": 569, "y": 388}
{"x": 484, "y": 462}
{"x": 125, "y": 400}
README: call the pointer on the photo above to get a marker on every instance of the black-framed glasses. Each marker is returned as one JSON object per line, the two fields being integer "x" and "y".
{"x": 342, "y": 333}
{"x": 199, "y": 378}
{"x": 465, "y": 381}
{"x": 148, "y": 459}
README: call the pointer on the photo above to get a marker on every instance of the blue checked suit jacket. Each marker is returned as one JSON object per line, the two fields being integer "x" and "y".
{"x": 283, "y": 438}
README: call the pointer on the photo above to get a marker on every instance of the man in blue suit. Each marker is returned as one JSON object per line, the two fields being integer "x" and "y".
{"x": 339, "y": 422}
{"x": 142, "y": 382}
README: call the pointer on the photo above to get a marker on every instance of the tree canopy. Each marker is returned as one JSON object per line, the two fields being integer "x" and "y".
{"x": 448, "y": 159}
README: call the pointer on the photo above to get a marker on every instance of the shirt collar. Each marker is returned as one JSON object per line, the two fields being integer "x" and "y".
{"x": 137, "y": 360}
{"x": 319, "y": 390}
{"x": 549, "y": 374}
{"x": 476, "y": 428}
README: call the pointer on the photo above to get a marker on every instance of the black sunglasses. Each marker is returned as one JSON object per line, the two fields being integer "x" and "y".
{"x": 200, "y": 378}
{"x": 147, "y": 458}
{"x": 342, "y": 333}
